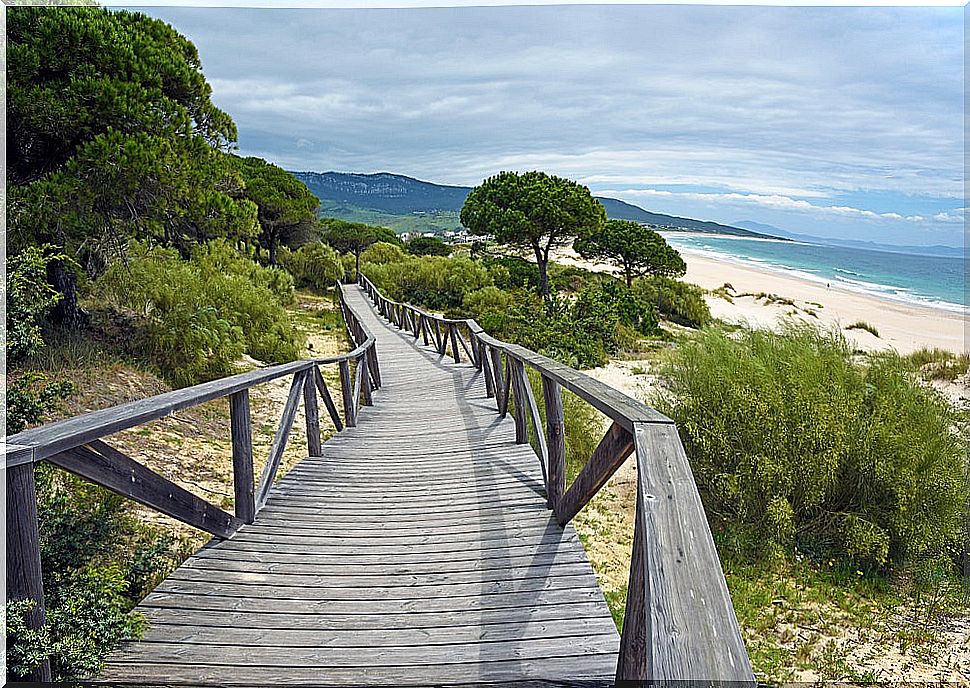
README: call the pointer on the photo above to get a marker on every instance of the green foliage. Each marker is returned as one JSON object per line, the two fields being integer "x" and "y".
{"x": 315, "y": 265}
{"x": 534, "y": 211}
{"x": 29, "y": 300}
{"x": 428, "y": 246}
{"x": 285, "y": 205}
{"x": 78, "y": 73}
{"x": 792, "y": 440}
{"x": 510, "y": 272}
{"x": 88, "y": 600}
{"x": 487, "y": 300}
{"x": 31, "y": 396}
{"x": 382, "y": 253}
{"x": 432, "y": 281}
{"x": 355, "y": 237}
{"x": 635, "y": 249}
{"x": 200, "y": 316}
{"x": 603, "y": 306}
{"x": 680, "y": 302}
{"x": 112, "y": 134}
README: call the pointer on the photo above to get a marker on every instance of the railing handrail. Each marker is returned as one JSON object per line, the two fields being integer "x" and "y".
{"x": 620, "y": 407}
{"x": 37, "y": 444}
{"x": 679, "y": 623}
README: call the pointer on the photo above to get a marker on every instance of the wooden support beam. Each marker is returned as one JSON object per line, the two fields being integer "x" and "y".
{"x": 543, "y": 451}
{"x": 486, "y": 370}
{"x": 501, "y": 384}
{"x": 609, "y": 455}
{"x": 453, "y": 333}
{"x": 556, "y": 442}
{"x": 108, "y": 467}
{"x": 363, "y": 378}
{"x": 279, "y": 441}
{"x": 24, "y": 577}
{"x": 242, "y": 456}
{"x": 327, "y": 399}
{"x": 634, "y": 663}
{"x": 312, "y": 412}
{"x": 347, "y": 394}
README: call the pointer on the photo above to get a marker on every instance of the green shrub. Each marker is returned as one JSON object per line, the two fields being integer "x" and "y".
{"x": 431, "y": 281}
{"x": 510, "y": 272}
{"x": 29, "y": 299}
{"x": 314, "y": 265}
{"x": 31, "y": 396}
{"x": 679, "y": 302}
{"x": 485, "y": 301}
{"x": 382, "y": 252}
{"x": 428, "y": 246}
{"x": 200, "y": 316}
{"x": 97, "y": 563}
{"x": 791, "y": 439}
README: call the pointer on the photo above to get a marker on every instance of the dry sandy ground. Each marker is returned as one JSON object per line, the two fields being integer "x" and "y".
{"x": 901, "y": 326}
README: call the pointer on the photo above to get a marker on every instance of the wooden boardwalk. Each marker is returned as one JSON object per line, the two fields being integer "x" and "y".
{"x": 417, "y": 549}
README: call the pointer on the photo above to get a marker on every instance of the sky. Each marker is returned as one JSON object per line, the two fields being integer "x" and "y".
{"x": 837, "y": 122}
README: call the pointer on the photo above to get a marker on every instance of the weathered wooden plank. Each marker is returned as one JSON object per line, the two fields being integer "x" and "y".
{"x": 688, "y": 620}
{"x": 608, "y": 456}
{"x": 167, "y": 631}
{"x": 242, "y": 456}
{"x": 24, "y": 577}
{"x": 279, "y": 441}
{"x": 453, "y": 333}
{"x": 106, "y": 466}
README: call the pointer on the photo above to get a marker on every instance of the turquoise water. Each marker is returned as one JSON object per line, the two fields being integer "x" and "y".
{"x": 926, "y": 280}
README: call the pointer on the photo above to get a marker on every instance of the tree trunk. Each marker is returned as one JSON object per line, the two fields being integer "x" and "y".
{"x": 629, "y": 276}
{"x": 272, "y": 250}
{"x": 357, "y": 268}
{"x": 542, "y": 261}
{"x": 66, "y": 312}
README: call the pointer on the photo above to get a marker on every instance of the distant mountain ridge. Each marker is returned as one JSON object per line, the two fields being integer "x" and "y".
{"x": 397, "y": 194}
{"x": 935, "y": 250}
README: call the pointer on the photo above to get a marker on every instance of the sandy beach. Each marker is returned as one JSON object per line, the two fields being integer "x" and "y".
{"x": 901, "y": 326}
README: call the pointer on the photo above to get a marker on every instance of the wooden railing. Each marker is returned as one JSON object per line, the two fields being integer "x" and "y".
{"x": 76, "y": 445}
{"x": 679, "y": 622}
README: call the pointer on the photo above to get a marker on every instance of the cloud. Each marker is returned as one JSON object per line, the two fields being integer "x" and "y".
{"x": 774, "y": 201}
{"x": 957, "y": 215}
{"x": 805, "y": 104}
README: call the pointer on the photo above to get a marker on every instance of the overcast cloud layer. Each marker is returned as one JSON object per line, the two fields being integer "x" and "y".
{"x": 836, "y": 122}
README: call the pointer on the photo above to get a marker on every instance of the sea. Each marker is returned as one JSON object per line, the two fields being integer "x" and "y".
{"x": 936, "y": 281}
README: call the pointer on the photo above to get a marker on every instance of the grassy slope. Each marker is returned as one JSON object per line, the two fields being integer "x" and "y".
{"x": 431, "y": 222}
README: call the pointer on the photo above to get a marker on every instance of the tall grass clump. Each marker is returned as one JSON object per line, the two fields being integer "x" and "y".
{"x": 435, "y": 282}
{"x": 939, "y": 364}
{"x": 795, "y": 446}
{"x": 679, "y": 302}
{"x": 197, "y": 318}
{"x": 315, "y": 265}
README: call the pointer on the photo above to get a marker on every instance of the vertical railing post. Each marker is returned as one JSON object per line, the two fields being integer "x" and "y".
{"x": 347, "y": 395}
{"x": 555, "y": 442}
{"x": 519, "y": 381}
{"x": 241, "y": 428}
{"x": 312, "y": 412}
{"x": 24, "y": 576}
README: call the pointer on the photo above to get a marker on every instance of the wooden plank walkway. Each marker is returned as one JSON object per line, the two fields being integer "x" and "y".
{"x": 417, "y": 550}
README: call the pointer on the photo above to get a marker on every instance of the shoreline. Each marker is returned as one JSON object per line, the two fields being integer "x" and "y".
{"x": 902, "y": 326}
